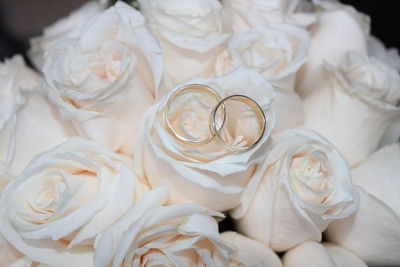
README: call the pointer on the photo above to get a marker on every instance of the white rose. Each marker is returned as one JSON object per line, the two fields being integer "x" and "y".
{"x": 339, "y": 29}
{"x": 391, "y": 57}
{"x": 208, "y": 175}
{"x": 306, "y": 185}
{"x": 250, "y": 252}
{"x": 246, "y": 14}
{"x": 314, "y": 254}
{"x": 64, "y": 28}
{"x": 191, "y": 33}
{"x": 355, "y": 105}
{"x": 276, "y": 51}
{"x": 28, "y": 123}
{"x": 105, "y": 79}
{"x": 64, "y": 198}
{"x": 372, "y": 232}
{"x": 151, "y": 234}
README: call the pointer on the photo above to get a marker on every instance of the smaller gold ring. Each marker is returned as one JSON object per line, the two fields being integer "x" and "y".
{"x": 257, "y": 110}
{"x": 189, "y": 87}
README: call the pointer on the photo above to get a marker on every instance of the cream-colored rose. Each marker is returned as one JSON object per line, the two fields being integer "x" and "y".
{"x": 314, "y": 254}
{"x": 372, "y": 232}
{"x": 355, "y": 105}
{"x": 208, "y": 175}
{"x": 106, "y": 78}
{"x": 28, "y": 122}
{"x": 151, "y": 234}
{"x": 250, "y": 252}
{"x": 191, "y": 33}
{"x": 339, "y": 29}
{"x": 247, "y": 14}
{"x": 65, "y": 28}
{"x": 276, "y": 51}
{"x": 306, "y": 185}
{"x": 64, "y": 198}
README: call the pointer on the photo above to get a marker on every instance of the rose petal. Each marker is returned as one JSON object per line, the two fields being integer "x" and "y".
{"x": 343, "y": 257}
{"x": 250, "y": 252}
{"x": 311, "y": 254}
{"x": 369, "y": 233}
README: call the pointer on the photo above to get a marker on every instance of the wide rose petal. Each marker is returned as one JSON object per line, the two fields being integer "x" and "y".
{"x": 369, "y": 233}
{"x": 24, "y": 107}
{"x": 250, "y": 252}
{"x": 392, "y": 134}
{"x": 379, "y": 175}
{"x": 50, "y": 130}
{"x": 310, "y": 254}
{"x": 343, "y": 257}
{"x": 287, "y": 118}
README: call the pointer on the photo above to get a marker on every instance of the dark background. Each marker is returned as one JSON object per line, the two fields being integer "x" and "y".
{"x": 23, "y": 19}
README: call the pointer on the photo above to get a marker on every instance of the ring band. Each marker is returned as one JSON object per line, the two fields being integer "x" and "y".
{"x": 191, "y": 87}
{"x": 257, "y": 110}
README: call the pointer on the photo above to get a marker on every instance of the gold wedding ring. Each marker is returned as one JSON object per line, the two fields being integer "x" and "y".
{"x": 257, "y": 110}
{"x": 190, "y": 87}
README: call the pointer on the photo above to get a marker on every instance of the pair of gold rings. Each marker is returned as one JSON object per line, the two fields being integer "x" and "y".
{"x": 215, "y": 129}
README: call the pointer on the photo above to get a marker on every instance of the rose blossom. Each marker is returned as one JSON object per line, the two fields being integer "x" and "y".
{"x": 191, "y": 33}
{"x": 360, "y": 98}
{"x": 208, "y": 175}
{"x": 64, "y": 28}
{"x": 64, "y": 198}
{"x": 23, "y": 107}
{"x": 277, "y": 51}
{"x": 246, "y": 14}
{"x": 339, "y": 29}
{"x": 151, "y": 234}
{"x": 372, "y": 232}
{"x": 306, "y": 185}
{"x": 106, "y": 78}
{"x": 250, "y": 252}
{"x": 314, "y": 254}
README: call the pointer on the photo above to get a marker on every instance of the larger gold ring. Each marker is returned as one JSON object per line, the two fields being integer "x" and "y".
{"x": 190, "y": 87}
{"x": 257, "y": 110}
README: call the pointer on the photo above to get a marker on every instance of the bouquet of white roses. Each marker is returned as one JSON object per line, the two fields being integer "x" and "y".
{"x": 140, "y": 130}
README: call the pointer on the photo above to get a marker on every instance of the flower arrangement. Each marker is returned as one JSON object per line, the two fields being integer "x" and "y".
{"x": 147, "y": 124}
